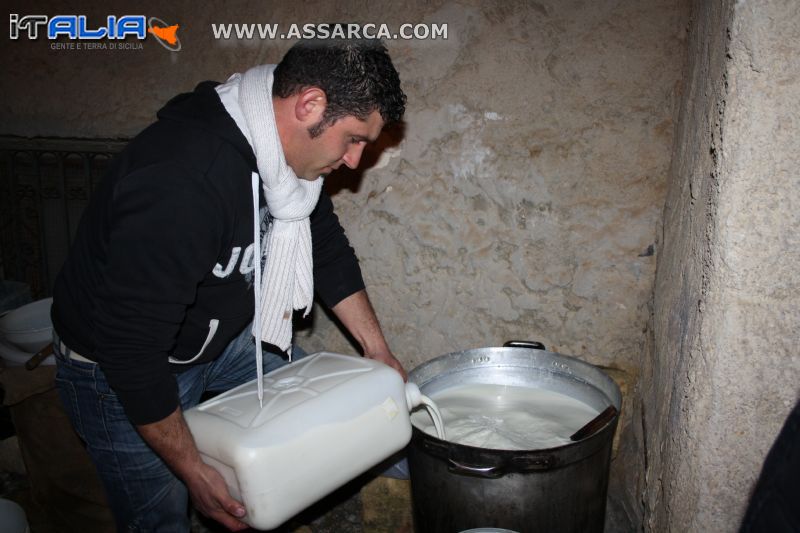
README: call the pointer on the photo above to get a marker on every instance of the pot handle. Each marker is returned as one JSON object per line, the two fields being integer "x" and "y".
{"x": 518, "y": 464}
{"x": 478, "y": 471}
{"x": 534, "y": 345}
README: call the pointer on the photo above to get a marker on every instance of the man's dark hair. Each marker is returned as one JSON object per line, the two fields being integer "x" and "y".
{"x": 357, "y": 76}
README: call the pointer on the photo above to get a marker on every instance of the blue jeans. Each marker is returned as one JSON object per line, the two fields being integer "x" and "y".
{"x": 143, "y": 493}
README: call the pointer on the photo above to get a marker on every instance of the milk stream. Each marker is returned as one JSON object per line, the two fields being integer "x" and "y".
{"x": 436, "y": 416}
{"x": 503, "y": 417}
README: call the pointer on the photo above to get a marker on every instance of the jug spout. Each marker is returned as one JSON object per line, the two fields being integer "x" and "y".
{"x": 413, "y": 396}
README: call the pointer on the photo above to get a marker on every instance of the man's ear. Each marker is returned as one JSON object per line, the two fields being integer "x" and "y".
{"x": 310, "y": 105}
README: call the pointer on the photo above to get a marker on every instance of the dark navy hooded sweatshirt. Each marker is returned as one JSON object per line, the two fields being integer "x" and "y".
{"x": 161, "y": 269}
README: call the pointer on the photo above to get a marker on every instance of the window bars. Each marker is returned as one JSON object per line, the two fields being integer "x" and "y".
{"x": 45, "y": 184}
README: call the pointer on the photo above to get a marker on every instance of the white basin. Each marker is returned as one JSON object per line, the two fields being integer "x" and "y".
{"x": 28, "y": 328}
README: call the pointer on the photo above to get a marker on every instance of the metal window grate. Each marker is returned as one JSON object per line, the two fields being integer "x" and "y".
{"x": 45, "y": 184}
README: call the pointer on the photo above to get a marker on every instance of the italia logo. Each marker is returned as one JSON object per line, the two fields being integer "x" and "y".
{"x": 77, "y": 27}
{"x": 166, "y": 35}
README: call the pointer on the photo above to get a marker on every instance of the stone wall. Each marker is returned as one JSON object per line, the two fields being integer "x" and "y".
{"x": 723, "y": 371}
{"x": 523, "y": 200}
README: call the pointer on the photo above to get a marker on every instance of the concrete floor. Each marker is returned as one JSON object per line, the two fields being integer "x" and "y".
{"x": 368, "y": 504}
{"x": 365, "y": 505}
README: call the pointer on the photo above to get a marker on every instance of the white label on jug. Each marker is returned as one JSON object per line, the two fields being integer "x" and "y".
{"x": 506, "y": 417}
{"x": 390, "y": 407}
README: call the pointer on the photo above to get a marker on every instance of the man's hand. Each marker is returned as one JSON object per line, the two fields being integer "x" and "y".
{"x": 171, "y": 439}
{"x": 210, "y": 496}
{"x": 388, "y": 358}
{"x": 358, "y": 316}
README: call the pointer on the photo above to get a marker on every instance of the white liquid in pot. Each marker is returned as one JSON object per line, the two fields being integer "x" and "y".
{"x": 504, "y": 417}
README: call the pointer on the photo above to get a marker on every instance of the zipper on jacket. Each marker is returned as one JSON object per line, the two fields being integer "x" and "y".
{"x": 213, "y": 324}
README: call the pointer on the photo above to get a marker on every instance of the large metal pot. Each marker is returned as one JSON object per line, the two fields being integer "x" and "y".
{"x": 563, "y": 489}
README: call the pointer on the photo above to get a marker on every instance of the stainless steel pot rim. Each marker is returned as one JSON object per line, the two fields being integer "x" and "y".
{"x": 541, "y": 362}
{"x": 550, "y": 370}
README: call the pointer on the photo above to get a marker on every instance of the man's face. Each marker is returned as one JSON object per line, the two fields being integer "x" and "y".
{"x": 339, "y": 144}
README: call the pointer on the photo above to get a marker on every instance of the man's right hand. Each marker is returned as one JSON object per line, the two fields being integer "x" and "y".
{"x": 171, "y": 439}
{"x": 210, "y": 496}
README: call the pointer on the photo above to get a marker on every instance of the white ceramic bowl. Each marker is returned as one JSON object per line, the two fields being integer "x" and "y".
{"x": 28, "y": 327}
{"x": 13, "y": 356}
{"x": 12, "y": 517}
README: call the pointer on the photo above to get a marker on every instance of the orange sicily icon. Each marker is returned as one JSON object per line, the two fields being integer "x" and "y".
{"x": 168, "y": 33}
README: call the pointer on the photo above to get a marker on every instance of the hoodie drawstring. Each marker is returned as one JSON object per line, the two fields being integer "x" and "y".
{"x": 256, "y": 182}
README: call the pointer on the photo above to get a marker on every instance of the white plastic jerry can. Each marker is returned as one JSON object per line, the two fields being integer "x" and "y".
{"x": 326, "y": 419}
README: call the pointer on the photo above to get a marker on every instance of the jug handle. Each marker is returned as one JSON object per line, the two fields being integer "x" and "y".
{"x": 534, "y": 345}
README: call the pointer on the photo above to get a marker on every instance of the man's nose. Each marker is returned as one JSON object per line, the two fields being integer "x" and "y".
{"x": 353, "y": 155}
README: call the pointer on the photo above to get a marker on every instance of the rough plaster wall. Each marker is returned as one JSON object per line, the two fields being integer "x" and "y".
{"x": 681, "y": 280}
{"x": 524, "y": 197}
{"x": 725, "y": 368}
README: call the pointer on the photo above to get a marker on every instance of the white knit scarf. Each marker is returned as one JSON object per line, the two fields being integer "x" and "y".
{"x": 287, "y": 282}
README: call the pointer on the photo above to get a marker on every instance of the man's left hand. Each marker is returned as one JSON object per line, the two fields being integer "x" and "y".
{"x": 358, "y": 316}
{"x": 387, "y": 358}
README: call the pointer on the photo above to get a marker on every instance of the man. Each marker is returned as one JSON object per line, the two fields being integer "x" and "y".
{"x": 154, "y": 303}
